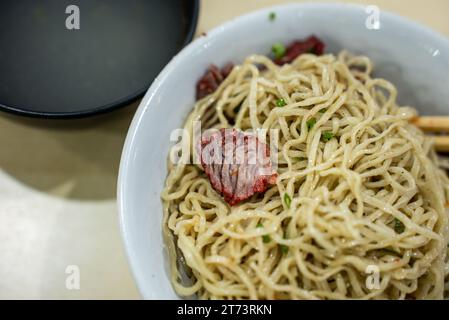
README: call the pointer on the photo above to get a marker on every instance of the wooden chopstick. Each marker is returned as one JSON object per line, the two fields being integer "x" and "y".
{"x": 432, "y": 124}
{"x": 441, "y": 143}
{"x": 437, "y": 125}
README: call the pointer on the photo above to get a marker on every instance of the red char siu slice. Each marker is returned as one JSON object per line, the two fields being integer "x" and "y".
{"x": 238, "y": 164}
{"x": 212, "y": 79}
{"x": 214, "y": 76}
{"x": 310, "y": 45}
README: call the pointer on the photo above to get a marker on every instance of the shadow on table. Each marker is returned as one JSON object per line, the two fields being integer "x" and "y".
{"x": 74, "y": 159}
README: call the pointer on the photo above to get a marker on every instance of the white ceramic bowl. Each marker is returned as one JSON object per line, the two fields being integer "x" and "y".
{"x": 413, "y": 57}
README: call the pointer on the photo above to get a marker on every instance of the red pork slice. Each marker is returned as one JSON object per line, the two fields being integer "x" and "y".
{"x": 238, "y": 164}
{"x": 310, "y": 45}
{"x": 210, "y": 81}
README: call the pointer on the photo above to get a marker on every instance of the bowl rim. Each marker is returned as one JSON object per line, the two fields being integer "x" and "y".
{"x": 131, "y": 253}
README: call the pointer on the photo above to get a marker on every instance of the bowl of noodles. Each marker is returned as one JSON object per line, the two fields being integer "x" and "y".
{"x": 351, "y": 199}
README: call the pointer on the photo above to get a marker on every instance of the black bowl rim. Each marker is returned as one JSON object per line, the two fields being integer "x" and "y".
{"x": 107, "y": 107}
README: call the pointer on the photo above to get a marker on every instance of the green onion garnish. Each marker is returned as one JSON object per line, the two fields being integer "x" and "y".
{"x": 327, "y": 136}
{"x": 323, "y": 110}
{"x": 259, "y": 225}
{"x": 399, "y": 227}
{"x": 287, "y": 200}
{"x": 272, "y": 16}
{"x": 278, "y": 50}
{"x": 284, "y": 248}
{"x": 281, "y": 103}
{"x": 311, "y": 123}
{"x": 266, "y": 238}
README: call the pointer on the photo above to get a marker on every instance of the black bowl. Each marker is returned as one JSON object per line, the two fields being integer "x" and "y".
{"x": 50, "y": 68}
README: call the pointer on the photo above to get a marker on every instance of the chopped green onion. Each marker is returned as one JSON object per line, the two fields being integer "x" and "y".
{"x": 300, "y": 159}
{"x": 284, "y": 248}
{"x": 311, "y": 123}
{"x": 266, "y": 238}
{"x": 287, "y": 200}
{"x": 399, "y": 227}
{"x": 281, "y": 103}
{"x": 272, "y": 16}
{"x": 327, "y": 136}
{"x": 278, "y": 50}
{"x": 323, "y": 110}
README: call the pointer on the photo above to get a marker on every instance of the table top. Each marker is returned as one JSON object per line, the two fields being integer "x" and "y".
{"x": 58, "y": 185}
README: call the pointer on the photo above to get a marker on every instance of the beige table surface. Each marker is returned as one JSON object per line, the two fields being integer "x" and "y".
{"x": 58, "y": 182}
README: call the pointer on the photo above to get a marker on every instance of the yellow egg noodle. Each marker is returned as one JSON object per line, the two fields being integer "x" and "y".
{"x": 363, "y": 186}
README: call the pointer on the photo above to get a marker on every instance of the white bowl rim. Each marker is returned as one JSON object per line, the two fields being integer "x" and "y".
{"x": 184, "y": 53}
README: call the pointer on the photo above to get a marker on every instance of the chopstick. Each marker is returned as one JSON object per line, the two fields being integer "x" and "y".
{"x": 441, "y": 143}
{"x": 432, "y": 124}
{"x": 437, "y": 125}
